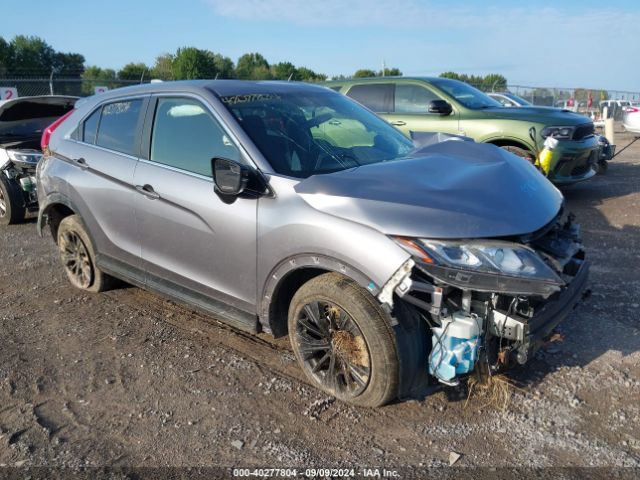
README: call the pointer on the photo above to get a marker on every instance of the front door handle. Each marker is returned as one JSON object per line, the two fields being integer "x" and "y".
{"x": 148, "y": 191}
{"x": 398, "y": 123}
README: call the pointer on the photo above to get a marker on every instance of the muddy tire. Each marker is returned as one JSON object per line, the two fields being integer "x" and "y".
{"x": 344, "y": 341}
{"x": 78, "y": 257}
{"x": 521, "y": 152}
{"x": 12, "y": 209}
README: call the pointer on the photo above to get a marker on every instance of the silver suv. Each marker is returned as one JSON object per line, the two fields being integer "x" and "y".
{"x": 289, "y": 209}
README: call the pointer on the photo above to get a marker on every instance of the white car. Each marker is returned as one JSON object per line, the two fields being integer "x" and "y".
{"x": 508, "y": 99}
{"x": 631, "y": 119}
{"x": 22, "y": 121}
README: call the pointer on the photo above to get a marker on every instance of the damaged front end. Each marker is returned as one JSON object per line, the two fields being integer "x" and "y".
{"x": 491, "y": 303}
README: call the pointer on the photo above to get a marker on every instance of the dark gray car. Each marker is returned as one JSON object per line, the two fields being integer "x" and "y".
{"x": 290, "y": 209}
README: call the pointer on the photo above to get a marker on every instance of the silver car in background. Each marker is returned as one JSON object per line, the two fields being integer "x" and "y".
{"x": 290, "y": 209}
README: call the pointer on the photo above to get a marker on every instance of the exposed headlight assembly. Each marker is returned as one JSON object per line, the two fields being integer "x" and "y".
{"x": 490, "y": 266}
{"x": 30, "y": 157}
{"x": 561, "y": 133}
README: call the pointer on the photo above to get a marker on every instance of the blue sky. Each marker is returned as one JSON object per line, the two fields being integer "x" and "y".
{"x": 570, "y": 43}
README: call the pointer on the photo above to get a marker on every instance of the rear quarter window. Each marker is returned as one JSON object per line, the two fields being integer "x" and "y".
{"x": 118, "y": 126}
{"x": 90, "y": 127}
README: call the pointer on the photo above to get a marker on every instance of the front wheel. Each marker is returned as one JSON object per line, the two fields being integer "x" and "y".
{"x": 12, "y": 208}
{"x": 344, "y": 341}
{"x": 520, "y": 152}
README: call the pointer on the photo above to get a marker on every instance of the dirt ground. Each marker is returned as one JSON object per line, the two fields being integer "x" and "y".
{"x": 127, "y": 378}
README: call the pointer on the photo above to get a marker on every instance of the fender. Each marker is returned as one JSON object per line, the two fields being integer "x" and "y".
{"x": 298, "y": 262}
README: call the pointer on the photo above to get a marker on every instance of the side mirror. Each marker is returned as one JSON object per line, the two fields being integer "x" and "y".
{"x": 441, "y": 107}
{"x": 230, "y": 178}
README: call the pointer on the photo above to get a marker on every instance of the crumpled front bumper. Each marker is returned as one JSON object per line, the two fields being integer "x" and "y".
{"x": 575, "y": 161}
{"x": 540, "y": 326}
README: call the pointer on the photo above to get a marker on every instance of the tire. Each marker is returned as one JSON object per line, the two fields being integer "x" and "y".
{"x": 12, "y": 208}
{"x": 343, "y": 341}
{"x": 521, "y": 152}
{"x": 77, "y": 255}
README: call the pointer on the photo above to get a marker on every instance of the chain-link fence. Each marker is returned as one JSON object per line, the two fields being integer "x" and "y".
{"x": 28, "y": 87}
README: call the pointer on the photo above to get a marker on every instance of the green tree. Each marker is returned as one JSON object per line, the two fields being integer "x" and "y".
{"x": 192, "y": 63}
{"x": 134, "y": 71}
{"x": 305, "y": 74}
{"x": 95, "y": 76}
{"x": 68, "y": 65}
{"x": 284, "y": 71}
{"x": 364, "y": 73}
{"x": 253, "y": 66}
{"x": 390, "y": 72}
{"x": 224, "y": 65}
{"x": 163, "y": 67}
{"x": 5, "y": 55}
{"x": 30, "y": 56}
{"x": 494, "y": 82}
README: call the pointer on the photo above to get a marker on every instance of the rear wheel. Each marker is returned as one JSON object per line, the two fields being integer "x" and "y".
{"x": 78, "y": 257}
{"x": 343, "y": 341}
{"x": 12, "y": 208}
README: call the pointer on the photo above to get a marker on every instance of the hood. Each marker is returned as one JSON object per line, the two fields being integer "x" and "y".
{"x": 544, "y": 115}
{"x": 449, "y": 190}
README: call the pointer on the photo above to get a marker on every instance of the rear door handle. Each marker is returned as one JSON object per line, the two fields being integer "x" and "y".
{"x": 148, "y": 191}
{"x": 81, "y": 162}
{"x": 398, "y": 123}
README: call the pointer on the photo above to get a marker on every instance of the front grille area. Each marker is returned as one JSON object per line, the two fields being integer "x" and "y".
{"x": 583, "y": 131}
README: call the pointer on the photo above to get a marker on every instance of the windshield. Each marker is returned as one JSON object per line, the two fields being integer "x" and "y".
{"x": 304, "y": 133}
{"x": 465, "y": 94}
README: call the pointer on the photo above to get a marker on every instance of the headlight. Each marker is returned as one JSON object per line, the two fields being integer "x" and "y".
{"x": 492, "y": 266}
{"x": 24, "y": 157}
{"x": 561, "y": 133}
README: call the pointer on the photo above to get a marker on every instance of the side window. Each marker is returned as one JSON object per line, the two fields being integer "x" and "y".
{"x": 376, "y": 96}
{"x": 118, "y": 126}
{"x": 336, "y": 88}
{"x": 187, "y": 137}
{"x": 90, "y": 127}
{"x": 413, "y": 99}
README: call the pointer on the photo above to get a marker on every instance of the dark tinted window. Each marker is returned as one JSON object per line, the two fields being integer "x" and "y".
{"x": 118, "y": 126}
{"x": 376, "y": 96}
{"x": 90, "y": 127}
{"x": 413, "y": 99}
{"x": 186, "y": 136}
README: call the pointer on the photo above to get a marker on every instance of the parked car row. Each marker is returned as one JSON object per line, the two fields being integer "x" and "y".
{"x": 391, "y": 262}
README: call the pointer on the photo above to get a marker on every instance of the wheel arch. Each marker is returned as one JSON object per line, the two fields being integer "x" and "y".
{"x": 56, "y": 208}
{"x": 288, "y": 276}
{"x": 511, "y": 142}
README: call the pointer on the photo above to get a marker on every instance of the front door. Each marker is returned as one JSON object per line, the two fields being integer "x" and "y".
{"x": 193, "y": 244}
{"x": 411, "y": 111}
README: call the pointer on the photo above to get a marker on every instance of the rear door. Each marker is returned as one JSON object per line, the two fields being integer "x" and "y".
{"x": 103, "y": 156}
{"x": 193, "y": 243}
